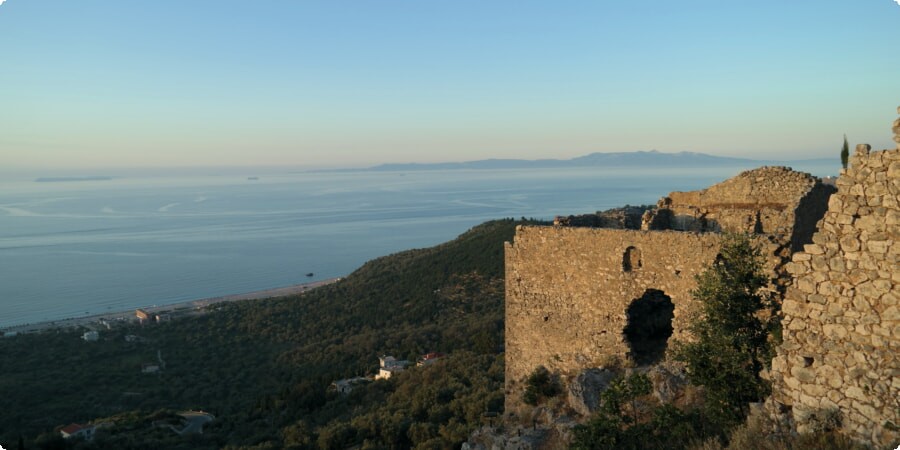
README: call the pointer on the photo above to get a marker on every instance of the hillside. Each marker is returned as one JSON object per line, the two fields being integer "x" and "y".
{"x": 263, "y": 367}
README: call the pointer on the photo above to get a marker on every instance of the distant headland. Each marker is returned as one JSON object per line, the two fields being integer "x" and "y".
{"x": 642, "y": 159}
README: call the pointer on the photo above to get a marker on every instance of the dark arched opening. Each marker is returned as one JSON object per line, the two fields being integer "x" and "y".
{"x": 649, "y": 326}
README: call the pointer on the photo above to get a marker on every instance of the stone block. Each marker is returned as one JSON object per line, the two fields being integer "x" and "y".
{"x": 800, "y": 256}
{"x": 816, "y": 298}
{"x": 835, "y": 331}
{"x": 813, "y": 249}
{"x": 850, "y": 243}
{"x": 795, "y": 268}
{"x": 843, "y": 219}
{"x": 819, "y": 264}
{"x": 891, "y": 314}
{"x": 870, "y": 290}
{"x": 793, "y": 308}
{"x": 855, "y": 392}
{"x": 830, "y": 376}
{"x": 814, "y": 390}
{"x": 803, "y": 374}
{"x": 878, "y": 246}
{"x": 806, "y": 285}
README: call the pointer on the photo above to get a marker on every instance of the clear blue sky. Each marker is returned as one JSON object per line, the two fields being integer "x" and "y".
{"x": 103, "y": 83}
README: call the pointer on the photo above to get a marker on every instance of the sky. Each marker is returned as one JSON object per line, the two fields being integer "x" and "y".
{"x": 104, "y": 83}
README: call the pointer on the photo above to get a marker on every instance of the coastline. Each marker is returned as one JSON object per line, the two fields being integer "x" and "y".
{"x": 190, "y": 306}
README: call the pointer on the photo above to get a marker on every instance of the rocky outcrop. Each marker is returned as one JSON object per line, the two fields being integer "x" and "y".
{"x": 583, "y": 393}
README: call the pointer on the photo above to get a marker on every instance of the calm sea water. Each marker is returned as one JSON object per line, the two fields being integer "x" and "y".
{"x": 73, "y": 248}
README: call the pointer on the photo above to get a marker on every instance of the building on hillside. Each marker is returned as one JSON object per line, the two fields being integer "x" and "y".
{"x": 75, "y": 430}
{"x": 91, "y": 336}
{"x": 347, "y": 384}
{"x": 390, "y": 366}
{"x": 150, "y": 368}
{"x": 429, "y": 358}
{"x": 142, "y": 315}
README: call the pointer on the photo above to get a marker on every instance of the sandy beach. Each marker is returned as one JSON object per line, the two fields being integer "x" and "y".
{"x": 95, "y": 320}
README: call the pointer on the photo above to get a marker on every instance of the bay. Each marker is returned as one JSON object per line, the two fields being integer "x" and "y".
{"x": 74, "y": 248}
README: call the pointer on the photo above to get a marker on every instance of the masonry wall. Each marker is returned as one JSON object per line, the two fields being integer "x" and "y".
{"x": 841, "y": 314}
{"x": 567, "y": 292}
{"x": 771, "y": 200}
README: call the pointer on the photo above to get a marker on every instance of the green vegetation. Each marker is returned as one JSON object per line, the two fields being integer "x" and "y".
{"x": 731, "y": 343}
{"x": 845, "y": 153}
{"x": 624, "y": 420}
{"x": 541, "y": 385}
{"x": 263, "y": 368}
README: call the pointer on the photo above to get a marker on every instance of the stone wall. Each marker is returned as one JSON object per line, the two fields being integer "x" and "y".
{"x": 775, "y": 201}
{"x": 568, "y": 291}
{"x": 840, "y": 353}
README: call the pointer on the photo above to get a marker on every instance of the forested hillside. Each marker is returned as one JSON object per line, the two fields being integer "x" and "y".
{"x": 263, "y": 368}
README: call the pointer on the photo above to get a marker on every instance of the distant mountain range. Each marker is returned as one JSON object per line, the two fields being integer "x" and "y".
{"x": 650, "y": 158}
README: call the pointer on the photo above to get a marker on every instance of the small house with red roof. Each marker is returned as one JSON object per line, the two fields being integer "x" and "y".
{"x": 429, "y": 358}
{"x": 76, "y": 430}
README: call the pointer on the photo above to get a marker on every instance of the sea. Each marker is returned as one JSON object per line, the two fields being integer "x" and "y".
{"x": 75, "y": 248}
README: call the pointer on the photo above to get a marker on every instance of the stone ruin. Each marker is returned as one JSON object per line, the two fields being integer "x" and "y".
{"x": 577, "y": 298}
{"x": 774, "y": 201}
{"x": 839, "y": 358}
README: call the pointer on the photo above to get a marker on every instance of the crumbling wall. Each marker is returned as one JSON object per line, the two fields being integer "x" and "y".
{"x": 568, "y": 290}
{"x": 840, "y": 355}
{"x": 776, "y": 201}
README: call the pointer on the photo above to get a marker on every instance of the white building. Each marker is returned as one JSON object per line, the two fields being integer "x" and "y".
{"x": 91, "y": 336}
{"x": 390, "y": 366}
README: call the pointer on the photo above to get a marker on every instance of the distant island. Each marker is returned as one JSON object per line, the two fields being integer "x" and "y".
{"x": 65, "y": 179}
{"x": 643, "y": 159}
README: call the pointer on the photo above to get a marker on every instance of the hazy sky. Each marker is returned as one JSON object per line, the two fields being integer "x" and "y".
{"x": 103, "y": 83}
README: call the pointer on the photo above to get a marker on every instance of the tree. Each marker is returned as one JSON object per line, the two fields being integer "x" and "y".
{"x": 845, "y": 152}
{"x": 731, "y": 343}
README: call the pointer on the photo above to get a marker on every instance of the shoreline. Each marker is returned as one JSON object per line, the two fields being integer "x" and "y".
{"x": 188, "y": 306}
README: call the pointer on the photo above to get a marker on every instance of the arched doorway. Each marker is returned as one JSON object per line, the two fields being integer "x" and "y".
{"x": 649, "y": 326}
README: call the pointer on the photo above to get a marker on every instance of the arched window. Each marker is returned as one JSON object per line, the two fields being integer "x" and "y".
{"x": 631, "y": 260}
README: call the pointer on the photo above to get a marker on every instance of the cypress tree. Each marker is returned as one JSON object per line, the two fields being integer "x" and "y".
{"x": 845, "y": 153}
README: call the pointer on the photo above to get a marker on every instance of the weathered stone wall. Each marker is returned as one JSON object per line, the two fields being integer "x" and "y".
{"x": 567, "y": 292}
{"x": 842, "y": 313}
{"x": 776, "y": 201}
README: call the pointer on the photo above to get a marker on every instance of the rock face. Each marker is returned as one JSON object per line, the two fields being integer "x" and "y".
{"x": 840, "y": 353}
{"x": 584, "y": 390}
